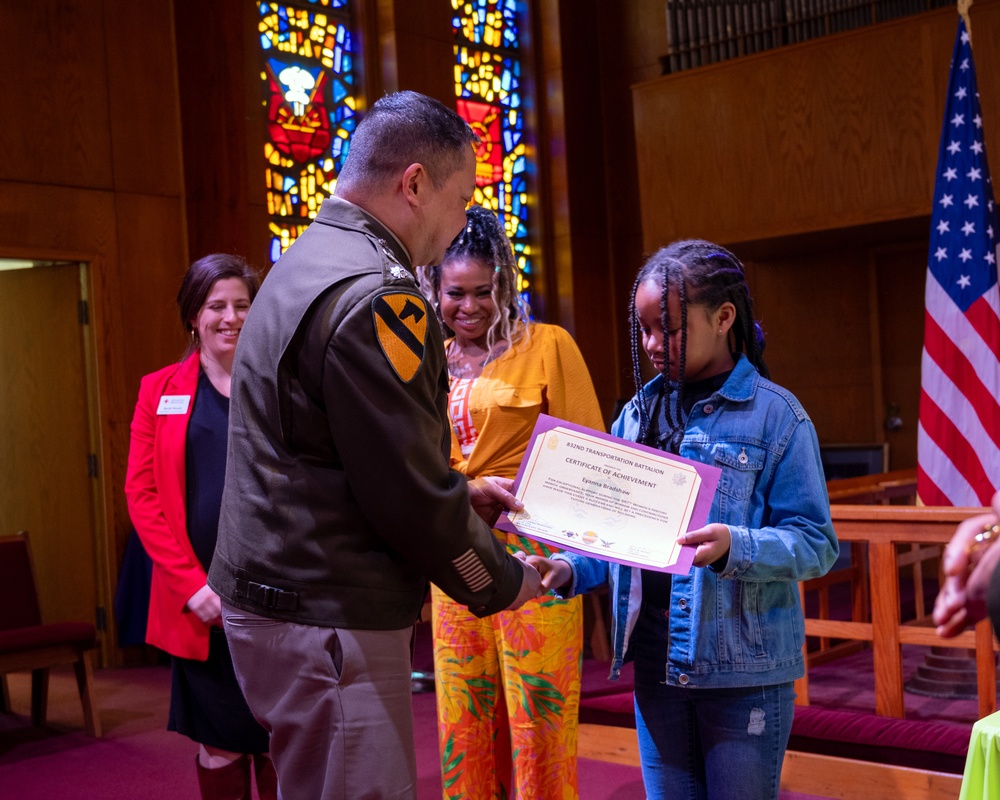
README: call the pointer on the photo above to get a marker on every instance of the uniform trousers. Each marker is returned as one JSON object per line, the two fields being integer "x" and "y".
{"x": 337, "y": 703}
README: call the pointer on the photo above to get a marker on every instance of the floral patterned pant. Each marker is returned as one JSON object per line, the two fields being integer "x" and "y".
{"x": 508, "y": 699}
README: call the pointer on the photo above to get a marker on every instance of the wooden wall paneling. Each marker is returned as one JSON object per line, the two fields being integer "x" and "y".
{"x": 142, "y": 90}
{"x": 211, "y": 76}
{"x": 578, "y": 287}
{"x": 984, "y": 18}
{"x": 582, "y": 149}
{"x": 147, "y": 274}
{"x": 258, "y": 234}
{"x": 145, "y": 133}
{"x": 144, "y": 286}
{"x": 901, "y": 272}
{"x": 816, "y": 320}
{"x": 834, "y": 132}
{"x": 875, "y": 354}
{"x": 550, "y": 157}
{"x": 417, "y": 48}
{"x": 631, "y": 37}
{"x": 52, "y": 68}
{"x": 380, "y": 36}
{"x": 151, "y": 265}
{"x": 367, "y": 45}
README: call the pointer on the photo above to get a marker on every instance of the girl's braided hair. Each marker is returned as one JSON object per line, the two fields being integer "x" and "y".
{"x": 704, "y": 274}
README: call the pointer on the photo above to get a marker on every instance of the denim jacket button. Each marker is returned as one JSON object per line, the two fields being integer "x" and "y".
{"x": 683, "y": 679}
{"x": 682, "y": 604}
{"x": 708, "y": 408}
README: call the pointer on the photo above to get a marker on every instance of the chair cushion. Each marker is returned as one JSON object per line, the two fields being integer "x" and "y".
{"x": 38, "y": 636}
{"x": 608, "y": 709}
{"x": 922, "y": 744}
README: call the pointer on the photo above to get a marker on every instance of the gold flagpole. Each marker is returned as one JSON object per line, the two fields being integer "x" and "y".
{"x": 963, "y": 10}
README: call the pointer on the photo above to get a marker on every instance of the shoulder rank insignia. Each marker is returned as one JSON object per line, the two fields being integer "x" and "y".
{"x": 401, "y": 326}
{"x": 397, "y": 271}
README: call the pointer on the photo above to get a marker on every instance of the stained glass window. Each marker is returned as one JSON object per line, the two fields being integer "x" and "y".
{"x": 310, "y": 103}
{"x": 488, "y": 84}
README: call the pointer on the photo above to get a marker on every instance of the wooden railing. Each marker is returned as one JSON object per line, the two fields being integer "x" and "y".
{"x": 884, "y": 531}
{"x": 884, "y": 488}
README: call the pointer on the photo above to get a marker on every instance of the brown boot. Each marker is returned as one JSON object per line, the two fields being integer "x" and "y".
{"x": 267, "y": 778}
{"x": 231, "y": 782}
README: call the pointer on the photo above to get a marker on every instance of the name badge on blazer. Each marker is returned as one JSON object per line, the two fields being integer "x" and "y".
{"x": 174, "y": 404}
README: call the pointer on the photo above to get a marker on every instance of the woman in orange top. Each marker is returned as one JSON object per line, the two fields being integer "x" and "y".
{"x": 176, "y": 468}
{"x": 516, "y": 671}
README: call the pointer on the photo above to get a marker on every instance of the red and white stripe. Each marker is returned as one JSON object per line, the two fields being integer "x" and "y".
{"x": 959, "y": 432}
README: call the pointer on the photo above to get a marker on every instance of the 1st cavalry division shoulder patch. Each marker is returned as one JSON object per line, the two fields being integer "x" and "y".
{"x": 401, "y": 327}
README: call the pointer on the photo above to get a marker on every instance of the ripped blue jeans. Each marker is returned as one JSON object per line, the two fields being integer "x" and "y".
{"x": 708, "y": 744}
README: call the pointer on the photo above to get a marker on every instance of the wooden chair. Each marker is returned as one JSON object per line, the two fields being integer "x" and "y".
{"x": 28, "y": 644}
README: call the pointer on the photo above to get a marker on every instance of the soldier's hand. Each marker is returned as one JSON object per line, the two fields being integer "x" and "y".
{"x": 491, "y": 495}
{"x": 555, "y": 574}
{"x": 531, "y": 584}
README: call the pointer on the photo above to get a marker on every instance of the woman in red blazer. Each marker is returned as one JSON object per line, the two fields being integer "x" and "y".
{"x": 176, "y": 468}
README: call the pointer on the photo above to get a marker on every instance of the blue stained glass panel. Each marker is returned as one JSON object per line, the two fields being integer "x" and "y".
{"x": 310, "y": 102}
{"x": 489, "y": 91}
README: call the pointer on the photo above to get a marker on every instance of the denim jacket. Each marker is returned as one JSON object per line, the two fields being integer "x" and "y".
{"x": 739, "y": 623}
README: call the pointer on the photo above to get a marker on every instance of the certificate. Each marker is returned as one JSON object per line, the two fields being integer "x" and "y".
{"x": 602, "y": 496}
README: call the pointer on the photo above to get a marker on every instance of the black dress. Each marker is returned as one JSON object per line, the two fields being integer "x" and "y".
{"x": 206, "y": 703}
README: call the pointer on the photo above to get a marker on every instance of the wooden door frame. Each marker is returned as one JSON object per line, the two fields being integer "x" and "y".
{"x": 105, "y": 553}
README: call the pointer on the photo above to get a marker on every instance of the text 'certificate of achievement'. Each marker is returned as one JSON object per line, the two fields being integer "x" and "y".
{"x": 602, "y": 496}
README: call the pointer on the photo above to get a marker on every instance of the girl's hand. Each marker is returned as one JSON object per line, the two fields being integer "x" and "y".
{"x": 712, "y": 541}
{"x": 555, "y": 574}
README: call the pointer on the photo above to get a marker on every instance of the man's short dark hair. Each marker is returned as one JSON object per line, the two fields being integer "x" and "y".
{"x": 402, "y": 129}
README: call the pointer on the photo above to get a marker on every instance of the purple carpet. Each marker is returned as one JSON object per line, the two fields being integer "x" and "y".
{"x": 137, "y": 757}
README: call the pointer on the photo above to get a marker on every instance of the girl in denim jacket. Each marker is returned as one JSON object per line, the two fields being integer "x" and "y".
{"x": 716, "y": 651}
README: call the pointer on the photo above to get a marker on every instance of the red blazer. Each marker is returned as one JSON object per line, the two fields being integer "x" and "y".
{"x": 156, "y": 491}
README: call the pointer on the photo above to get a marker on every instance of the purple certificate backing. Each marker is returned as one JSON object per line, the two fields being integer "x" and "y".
{"x": 703, "y": 503}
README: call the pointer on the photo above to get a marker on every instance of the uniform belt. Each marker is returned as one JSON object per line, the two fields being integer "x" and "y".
{"x": 264, "y": 596}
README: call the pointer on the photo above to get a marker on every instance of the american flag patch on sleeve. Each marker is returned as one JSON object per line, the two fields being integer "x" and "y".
{"x": 472, "y": 570}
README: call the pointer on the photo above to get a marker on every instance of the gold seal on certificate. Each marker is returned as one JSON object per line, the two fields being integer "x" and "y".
{"x": 603, "y": 496}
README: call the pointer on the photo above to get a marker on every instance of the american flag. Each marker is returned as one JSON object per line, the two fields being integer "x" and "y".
{"x": 958, "y": 444}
